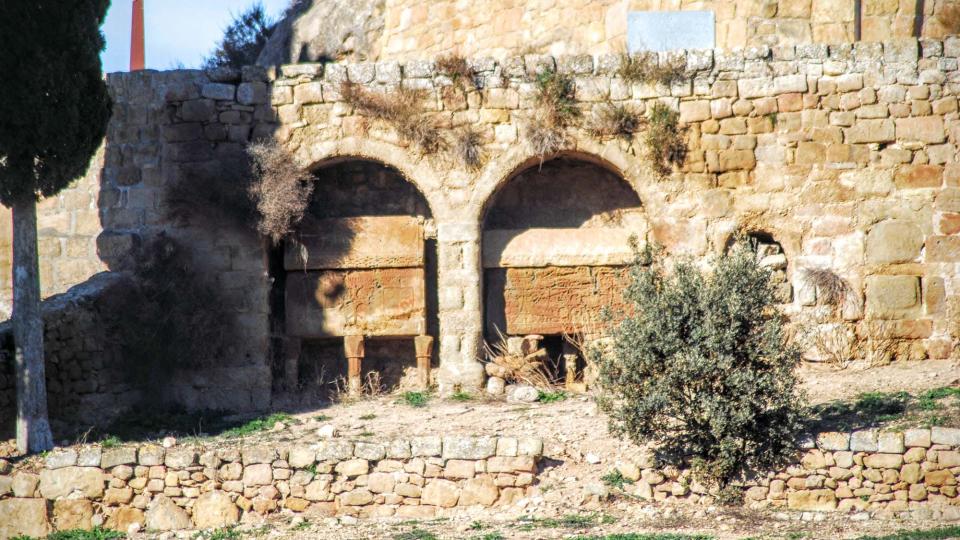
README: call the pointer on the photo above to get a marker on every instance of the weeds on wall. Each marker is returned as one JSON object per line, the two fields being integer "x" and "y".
{"x": 402, "y": 109}
{"x": 664, "y": 139}
{"x": 615, "y": 120}
{"x": 703, "y": 367}
{"x": 280, "y": 189}
{"x": 221, "y": 193}
{"x": 468, "y": 147}
{"x": 457, "y": 68}
{"x": 646, "y": 68}
{"x": 555, "y": 110}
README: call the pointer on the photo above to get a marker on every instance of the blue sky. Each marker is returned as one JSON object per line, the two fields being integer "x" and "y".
{"x": 177, "y": 31}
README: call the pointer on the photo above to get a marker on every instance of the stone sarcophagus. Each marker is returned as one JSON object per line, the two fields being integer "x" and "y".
{"x": 356, "y": 276}
{"x": 548, "y": 281}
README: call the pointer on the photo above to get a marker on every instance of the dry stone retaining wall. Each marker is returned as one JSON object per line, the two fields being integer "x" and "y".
{"x": 161, "y": 488}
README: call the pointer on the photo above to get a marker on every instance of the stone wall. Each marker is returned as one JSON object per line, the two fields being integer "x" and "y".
{"x": 157, "y": 488}
{"x": 885, "y": 473}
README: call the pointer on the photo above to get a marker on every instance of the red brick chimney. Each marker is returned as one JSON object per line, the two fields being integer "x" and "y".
{"x": 136, "y": 37}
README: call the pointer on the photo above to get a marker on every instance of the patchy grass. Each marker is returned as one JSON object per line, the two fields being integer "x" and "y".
{"x": 614, "y": 120}
{"x": 569, "y": 521}
{"x": 556, "y": 109}
{"x": 664, "y": 139}
{"x": 457, "y": 68}
{"x": 939, "y": 533}
{"x": 402, "y": 108}
{"x": 111, "y": 441}
{"x": 645, "y": 536}
{"x": 460, "y": 395}
{"x": 223, "y": 533}
{"x": 935, "y": 407}
{"x": 646, "y": 68}
{"x": 369, "y": 416}
{"x": 79, "y": 534}
{"x": 551, "y": 396}
{"x": 258, "y": 425}
{"x": 615, "y": 479}
{"x": 416, "y": 534}
{"x": 416, "y": 399}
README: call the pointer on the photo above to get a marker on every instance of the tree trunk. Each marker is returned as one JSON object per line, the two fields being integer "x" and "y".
{"x": 33, "y": 427}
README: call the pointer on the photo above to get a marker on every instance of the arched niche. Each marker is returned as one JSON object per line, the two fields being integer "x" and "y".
{"x": 556, "y": 238}
{"x": 356, "y": 282}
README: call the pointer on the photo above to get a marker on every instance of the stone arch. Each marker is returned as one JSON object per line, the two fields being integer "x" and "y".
{"x": 368, "y": 282}
{"x": 554, "y": 241}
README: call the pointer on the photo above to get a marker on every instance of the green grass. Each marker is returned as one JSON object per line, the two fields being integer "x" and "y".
{"x": 926, "y": 534}
{"x": 322, "y": 418}
{"x": 79, "y": 534}
{"x": 569, "y": 521}
{"x": 416, "y": 534}
{"x": 460, "y": 395}
{"x": 257, "y": 425}
{"x": 872, "y": 409}
{"x": 491, "y": 536}
{"x": 550, "y": 397}
{"x": 646, "y": 536}
{"x": 928, "y": 401}
{"x": 615, "y": 479}
{"x": 367, "y": 434}
{"x": 110, "y": 442}
{"x": 416, "y": 399}
{"x": 370, "y": 416}
{"x": 225, "y": 533}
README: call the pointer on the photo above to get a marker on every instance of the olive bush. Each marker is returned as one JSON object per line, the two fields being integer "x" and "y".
{"x": 701, "y": 366}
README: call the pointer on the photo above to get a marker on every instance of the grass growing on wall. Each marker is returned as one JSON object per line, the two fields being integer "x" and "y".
{"x": 664, "y": 139}
{"x": 402, "y": 109}
{"x": 555, "y": 110}
{"x": 647, "y": 68}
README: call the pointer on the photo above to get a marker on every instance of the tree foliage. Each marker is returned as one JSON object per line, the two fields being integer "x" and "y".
{"x": 243, "y": 40}
{"x": 702, "y": 367}
{"x": 54, "y": 105}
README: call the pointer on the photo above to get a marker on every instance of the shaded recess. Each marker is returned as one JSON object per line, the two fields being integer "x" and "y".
{"x": 555, "y": 241}
{"x": 358, "y": 190}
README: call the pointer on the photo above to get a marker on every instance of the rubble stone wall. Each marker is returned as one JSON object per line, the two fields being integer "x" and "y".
{"x": 157, "y": 488}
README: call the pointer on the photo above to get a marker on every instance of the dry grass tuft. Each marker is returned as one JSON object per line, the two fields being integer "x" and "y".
{"x": 402, "y": 109}
{"x": 664, "y": 139}
{"x": 536, "y": 368}
{"x": 280, "y": 189}
{"x": 555, "y": 110}
{"x": 468, "y": 147}
{"x": 615, "y": 120}
{"x": 457, "y": 68}
{"x": 646, "y": 68}
{"x": 832, "y": 290}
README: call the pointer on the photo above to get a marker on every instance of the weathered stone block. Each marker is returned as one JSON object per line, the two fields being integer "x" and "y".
{"x": 469, "y": 447}
{"x": 892, "y": 297}
{"x": 426, "y": 446}
{"x": 369, "y": 451}
{"x": 928, "y": 129}
{"x": 73, "y": 514}
{"x": 24, "y": 517}
{"x": 442, "y": 493}
{"x": 215, "y": 509}
{"x": 917, "y": 438}
{"x": 85, "y": 482}
{"x": 893, "y": 241}
{"x": 943, "y": 249}
{"x": 813, "y": 500}
{"x": 353, "y": 467}
{"x": 870, "y": 131}
{"x": 883, "y": 461}
{"x": 834, "y": 441}
{"x": 863, "y": 441}
{"x": 164, "y": 515}
{"x": 334, "y": 450}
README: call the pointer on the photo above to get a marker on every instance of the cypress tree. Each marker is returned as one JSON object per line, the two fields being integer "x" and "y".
{"x": 54, "y": 109}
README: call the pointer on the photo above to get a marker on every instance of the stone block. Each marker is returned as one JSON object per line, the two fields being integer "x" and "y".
{"x": 893, "y": 241}
{"x": 917, "y": 438}
{"x": 442, "y": 493}
{"x": 430, "y": 446}
{"x": 164, "y": 515}
{"x": 481, "y": 491}
{"x": 218, "y": 91}
{"x": 834, "y": 441}
{"x": 871, "y": 131}
{"x": 150, "y": 455}
{"x": 180, "y": 458}
{"x": 469, "y": 447}
{"x": 215, "y": 509}
{"x": 928, "y": 129}
{"x": 883, "y": 461}
{"x": 530, "y": 446}
{"x": 258, "y": 454}
{"x": 258, "y": 474}
{"x": 334, "y": 450}
{"x": 459, "y": 468}
{"x": 863, "y": 441}
{"x": 61, "y": 458}
{"x": 352, "y": 467}
{"x": 381, "y": 482}
{"x": 369, "y": 451}
{"x": 948, "y": 458}
{"x": 24, "y": 517}
{"x": 890, "y": 442}
{"x": 892, "y": 297}
{"x": 24, "y": 484}
{"x": 84, "y": 482}
{"x": 943, "y": 249}
{"x": 73, "y": 514}
{"x": 813, "y": 500}
{"x": 356, "y": 497}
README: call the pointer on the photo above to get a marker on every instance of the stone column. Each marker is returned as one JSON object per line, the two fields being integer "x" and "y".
{"x": 460, "y": 310}
{"x": 423, "y": 345}
{"x": 570, "y": 364}
{"x": 353, "y": 347}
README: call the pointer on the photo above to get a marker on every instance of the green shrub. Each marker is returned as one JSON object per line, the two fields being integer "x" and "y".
{"x": 79, "y": 534}
{"x": 551, "y": 397}
{"x": 615, "y": 479}
{"x": 416, "y": 399}
{"x": 256, "y": 425}
{"x": 702, "y": 366}
{"x": 664, "y": 139}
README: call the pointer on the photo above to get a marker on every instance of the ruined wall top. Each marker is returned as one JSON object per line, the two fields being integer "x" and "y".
{"x": 403, "y": 29}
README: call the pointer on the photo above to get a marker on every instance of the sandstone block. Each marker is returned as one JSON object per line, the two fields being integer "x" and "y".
{"x": 318, "y": 490}
{"x": 511, "y": 464}
{"x": 883, "y": 461}
{"x": 381, "y": 482}
{"x": 458, "y": 468}
{"x": 398, "y": 449}
{"x": 939, "y": 478}
{"x": 215, "y": 509}
{"x": 915, "y": 455}
{"x": 407, "y": 490}
{"x": 83, "y": 482}
{"x": 24, "y": 517}
{"x": 916, "y": 438}
{"x": 813, "y": 500}
{"x": 164, "y": 515}
{"x": 892, "y": 297}
{"x": 24, "y": 484}
{"x": 890, "y": 443}
{"x": 73, "y": 514}
{"x": 301, "y": 457}
{"x": 426, "y": 446}
{"x": 919, "y": 176}
{"x": 910, "y": 473}
{"x": 928, "y": 129}
{"x": 150, "y": 455}
{"x": 61, "y": 458}
{"x": 117, "y": 496}
{"x": 442, "y": 493}
{"x": 530, "y": 446}
{"x": 943, "y": 249}
{"x": 118, "y": 456}
{"x": 180, "y": 458}
{"x": 356, "y": 497}
{"x": 469, "y": 447}
{"x": 258, "y": 454}
{"x": 259, "y": 474}
{"x": 124, "y": 517}
{"x": 893, "y": 241}
{"x": 948, "y": 458}
{"x": 352, "y": 467}
{"x": 834, "y": 441}
{"x": 941, "y": 435}
{"x": 334, "y": 450}
{"x": 89, "y": 457}
{"x": 479, "y": 491}
{"x": 870, "y": 131}
{"x": 694, "y": 111}
{"x": 369, "y": 451}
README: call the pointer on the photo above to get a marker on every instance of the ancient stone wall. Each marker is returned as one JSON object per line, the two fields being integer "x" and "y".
{"x": 157, "y": 488}
{"x": 908, "y": 474}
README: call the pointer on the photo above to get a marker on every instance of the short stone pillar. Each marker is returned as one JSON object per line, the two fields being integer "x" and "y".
{"x": 292, "y": 348}
{"x": 353, "y": 347}
{"x": 423, "y": 345}
{"x": 531, "y": 344}
{"x": 569, "y": 356}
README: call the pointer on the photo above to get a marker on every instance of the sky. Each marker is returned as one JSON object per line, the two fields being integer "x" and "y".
{"x": 179, "y": 33}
